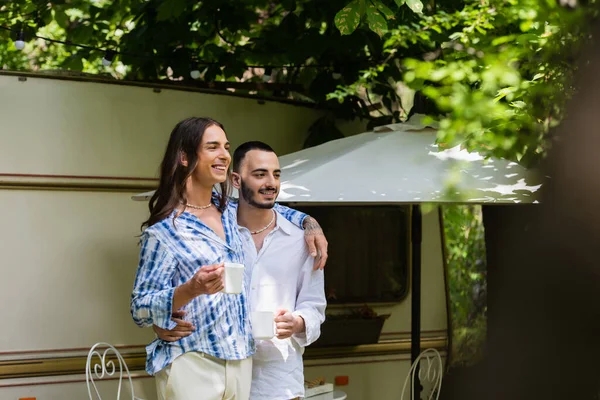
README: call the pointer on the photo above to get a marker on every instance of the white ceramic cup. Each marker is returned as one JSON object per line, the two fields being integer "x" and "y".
{"x": 233, "y": 276}
{"x": 263, "y": 325}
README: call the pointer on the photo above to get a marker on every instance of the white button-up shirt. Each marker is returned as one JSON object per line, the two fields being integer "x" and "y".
{"x": 282, "y": 276}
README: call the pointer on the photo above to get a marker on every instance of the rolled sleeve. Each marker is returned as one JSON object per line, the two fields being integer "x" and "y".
{"x": 310, "y": 303}
{"x": 312, "y": 328}
{"x": 152, "y": 296}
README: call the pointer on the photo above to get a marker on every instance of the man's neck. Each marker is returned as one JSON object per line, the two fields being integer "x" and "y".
{"x": 252, "y": 217}
{"x": 198, "y": 195}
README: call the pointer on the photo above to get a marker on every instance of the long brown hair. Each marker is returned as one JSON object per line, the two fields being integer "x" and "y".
{"x": 185, "y": 139}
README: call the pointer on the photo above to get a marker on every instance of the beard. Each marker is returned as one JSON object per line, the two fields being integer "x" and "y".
{"x": 248, "y": 195}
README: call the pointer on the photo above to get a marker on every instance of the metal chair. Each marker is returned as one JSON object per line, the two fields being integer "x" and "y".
{"x": 431, "y": 370}
{"x": 106, "y": 368}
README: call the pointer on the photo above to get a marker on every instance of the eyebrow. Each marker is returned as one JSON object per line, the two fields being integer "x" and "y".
{"x": 215, "y": 142}
{"x": 264, "y": 170}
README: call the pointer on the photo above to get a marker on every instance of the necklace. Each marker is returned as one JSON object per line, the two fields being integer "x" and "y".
{"x": 266, "y": 227}
{"x": 198, "y": 207}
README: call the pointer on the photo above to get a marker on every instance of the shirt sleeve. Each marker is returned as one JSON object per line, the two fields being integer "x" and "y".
{"x": 152, "y": 297}
{"x": 294, "y": 216}
{"x": 310, "y": 303}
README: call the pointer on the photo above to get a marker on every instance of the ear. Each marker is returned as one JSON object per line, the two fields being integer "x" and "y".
{"x": 183, "y": 159}
{"x": 236, "y": 180}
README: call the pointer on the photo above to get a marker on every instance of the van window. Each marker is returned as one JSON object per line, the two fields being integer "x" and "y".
{"x": 368, "y": 252}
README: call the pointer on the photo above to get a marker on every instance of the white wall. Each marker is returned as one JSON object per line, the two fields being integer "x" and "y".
{"x": 68, "y": 264}
{"x": 65, "y": 127}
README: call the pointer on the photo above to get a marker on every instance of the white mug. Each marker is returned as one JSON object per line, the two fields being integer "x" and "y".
{"x": 263, "y": 325}
{"x": 233, "y": 277}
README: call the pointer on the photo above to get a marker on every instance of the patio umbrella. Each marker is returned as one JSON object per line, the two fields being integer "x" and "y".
{"x": 402, "y": 164}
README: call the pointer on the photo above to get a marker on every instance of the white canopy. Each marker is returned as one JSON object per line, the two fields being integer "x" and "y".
{"x": 399, "y": 163}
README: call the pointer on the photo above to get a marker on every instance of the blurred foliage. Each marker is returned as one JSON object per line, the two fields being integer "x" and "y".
{"x": 167, "y": 39}
{"x": 495, "y": 72}
{"x": 467, "y": 281}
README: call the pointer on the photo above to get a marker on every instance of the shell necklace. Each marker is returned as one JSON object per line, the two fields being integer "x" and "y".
{"x": 266, "y": 227}
{"x": 198, "y": 207}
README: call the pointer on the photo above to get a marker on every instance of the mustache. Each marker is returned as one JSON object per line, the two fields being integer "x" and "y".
{"x": 268, "y": 189}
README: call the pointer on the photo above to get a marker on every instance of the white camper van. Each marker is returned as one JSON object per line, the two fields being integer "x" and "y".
{"x": 72, "y": 154}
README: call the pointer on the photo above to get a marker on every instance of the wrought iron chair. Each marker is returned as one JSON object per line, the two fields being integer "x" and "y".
{"x": 105, "y": 367}
{"x": 431, "y": 370}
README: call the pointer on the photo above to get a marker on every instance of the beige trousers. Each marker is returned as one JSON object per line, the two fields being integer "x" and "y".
{"x": 198, "y": 376}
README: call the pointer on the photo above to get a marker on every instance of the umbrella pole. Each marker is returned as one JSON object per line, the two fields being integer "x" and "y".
{"x": 415, "y": 337}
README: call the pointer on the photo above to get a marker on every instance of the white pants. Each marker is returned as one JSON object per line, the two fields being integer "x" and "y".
{"x": 198, "y": 376}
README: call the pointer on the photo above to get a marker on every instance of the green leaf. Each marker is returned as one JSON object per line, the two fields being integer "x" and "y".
{"x": 527, "y": 25}
{"x": 47, "y": 17}
{"x": 399, "y": 3}
{"x": 474, "y": 276}
{"x": 363, "y": 7}
{"x": 61, "y": 18}
{"x": 415, "y": 5}
{"x": 28, "y": 8}
{"x": 81, "y": 34}
{"x": 389, "y": 14}
{"x": 503, "y": 39}
{"x": 170, "y": 9}
{"x": 164, "y": 12}
{"x": 376, "y": 20}
{"x": 348, "y": 18}
{"x": 74, "y": 62}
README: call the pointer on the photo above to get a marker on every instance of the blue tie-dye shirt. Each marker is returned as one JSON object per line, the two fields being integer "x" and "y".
{"x": 172, "y": 250}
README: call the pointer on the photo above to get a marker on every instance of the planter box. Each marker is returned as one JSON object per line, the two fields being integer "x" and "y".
{"x": 350, "y": 332}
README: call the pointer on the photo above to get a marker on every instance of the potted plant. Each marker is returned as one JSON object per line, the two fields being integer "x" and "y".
{"x": 359, "y": 325}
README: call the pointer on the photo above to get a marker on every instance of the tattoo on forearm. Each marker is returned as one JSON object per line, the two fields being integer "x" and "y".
{"x": 312, "y": 227}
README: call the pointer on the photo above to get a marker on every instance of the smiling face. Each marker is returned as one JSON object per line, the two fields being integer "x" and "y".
{"x": 258, "y": 178}
{"x": 213, "y": 157}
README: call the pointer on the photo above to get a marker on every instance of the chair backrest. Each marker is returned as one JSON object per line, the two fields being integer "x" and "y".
{"x": 105, "y": 367}
{"x": 431, "y": 370}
